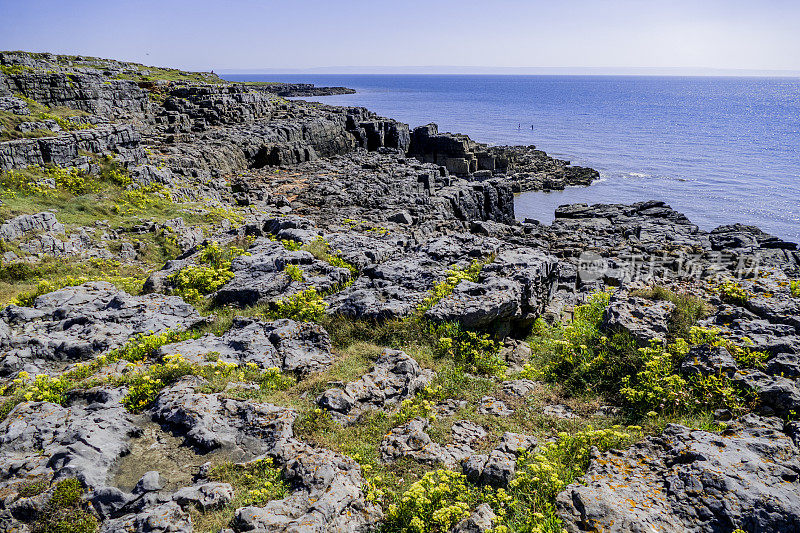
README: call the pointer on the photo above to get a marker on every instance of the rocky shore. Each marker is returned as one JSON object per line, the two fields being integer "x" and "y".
{"x": 226, "y": 311}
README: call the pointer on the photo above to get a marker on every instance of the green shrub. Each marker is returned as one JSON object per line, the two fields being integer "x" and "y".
{"x": 417, "y": 407}
{"x": 294, "y": 272}
{"x": 474, "y": 352}
{"x": 145, "y": 384}
{"x": 143, "y": 199}
{"x": 579, "y": 355}
{"x": 745, "y": 356}
{"x": 321, "y": 249}
{"x": 26, "y": 299}
{"x": 143, "y": 387}
{"x": 254, "y": 483}
{"x": 315, "y": 420}
{"x": 794, "y": 287}
{"x": 659, "y": 388}
{"x": 65, "y": 512}
{"x": 194, "y": 281}
{"x": 54, "y": 389}
{"x": 16, "y": 271}
{"x": 687, "y": 311}
{"x": 733, "y": 293}
{"x": 542, "y": 474}
{"x": 67, "y": 493}
{"x": 306, "y": 306}
{"x": 32, "y": 488}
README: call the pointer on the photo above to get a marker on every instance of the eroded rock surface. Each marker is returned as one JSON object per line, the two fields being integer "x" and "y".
{"x": 78, "y": 323}
{"x": 685, "y": 480}
{"x": 283, "y": 344}
{"x": 395, "y": 377}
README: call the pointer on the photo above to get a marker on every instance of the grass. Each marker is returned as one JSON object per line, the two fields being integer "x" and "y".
{"x": 23, "y": 282}
{"x": 254, "y": 483}
{"x": 143, "y": 73}
{"x": 79, "y": 200}
{"x": 38, "y": 113}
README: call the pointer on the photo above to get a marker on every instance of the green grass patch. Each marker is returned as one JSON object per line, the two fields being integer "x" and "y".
{"x": 39, "y": 113}
{"x": 254, "y": 483}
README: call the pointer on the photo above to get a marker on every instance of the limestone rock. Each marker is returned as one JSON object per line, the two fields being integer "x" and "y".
{"x": 395, "y": 377}
{"x": 479, "y": 521}
{"x": 644, "y": 319}
{"x": 77, "y": 323}
{"x": 206, "y": 497}
{"x": 685, "y": 480}
{"x": 490, "y": 405}
{"x": 411, "y": 440}
{"x": 165, "y": 518}
{"x": 83, "y": 439}
{"x": 260, "y": 277}
{"x": 17, "y": 227}
{"x": 283, "y": 344}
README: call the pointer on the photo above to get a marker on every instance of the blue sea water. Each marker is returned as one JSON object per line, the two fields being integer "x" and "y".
{"x": 721, "y": 150}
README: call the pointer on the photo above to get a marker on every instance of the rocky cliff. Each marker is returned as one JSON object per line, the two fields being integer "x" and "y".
{"x": 225, "y": 311}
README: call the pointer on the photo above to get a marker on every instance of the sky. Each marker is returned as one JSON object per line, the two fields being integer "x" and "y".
{"x": 569, "y": 36}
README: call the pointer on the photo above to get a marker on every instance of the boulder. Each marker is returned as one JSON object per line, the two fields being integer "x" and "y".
{"x": 645, "y": 320}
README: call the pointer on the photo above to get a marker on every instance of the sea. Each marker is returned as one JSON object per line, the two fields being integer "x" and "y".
{"x": 721, "y": 150}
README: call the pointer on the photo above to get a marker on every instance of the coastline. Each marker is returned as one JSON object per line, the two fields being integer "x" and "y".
{"x": 723, "y": 166}
{"x": 346, "y": 310}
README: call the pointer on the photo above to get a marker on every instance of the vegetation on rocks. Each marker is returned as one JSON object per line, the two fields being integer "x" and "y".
{"x": 9, "y": 122}
{"x": 79, "y": 200}
{"x": 305, "y": 306}
{"x": 439, "y": 418}
{"x": 65, "y": 512}
{"x": 584, "y": 358}
{"x": 145, "y": 382}
{"x": 212, "y": 272}
{"x": 732, "y": 292}
{"x": 254, "y": 483}
{"x": 453, "y": 277}
{"x": 542, "y": 474}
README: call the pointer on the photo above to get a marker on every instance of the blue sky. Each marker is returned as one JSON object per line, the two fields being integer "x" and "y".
{"x": 298, "y": 34}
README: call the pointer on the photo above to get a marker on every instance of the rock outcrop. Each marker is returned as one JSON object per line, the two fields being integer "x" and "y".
{"x": 79, "y": 323}
{"x": 395, "y": 377}
{"x": 685, "y": 480}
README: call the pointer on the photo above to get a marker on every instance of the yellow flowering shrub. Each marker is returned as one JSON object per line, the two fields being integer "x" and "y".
{"x": 143, "y": 199}
{"x": 546, "y": 471}
{"x": 305, "y": 306}
{"x": 474, "y": 352}
{"x": 731, "y": 292}
{"x": 433, "y": 504}
{"x": 254, "y": 483}
{"x": 26, "y": 299}
{"x": 414, "y": 407}
{"x": 145, "y": 383}
{"x": 293, "y": 272}
{"x": 194, "y": 281}
{"x": 453, "y": 277}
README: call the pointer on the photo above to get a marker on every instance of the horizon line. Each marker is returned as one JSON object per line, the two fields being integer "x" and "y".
{"x": 477, "y": 70}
